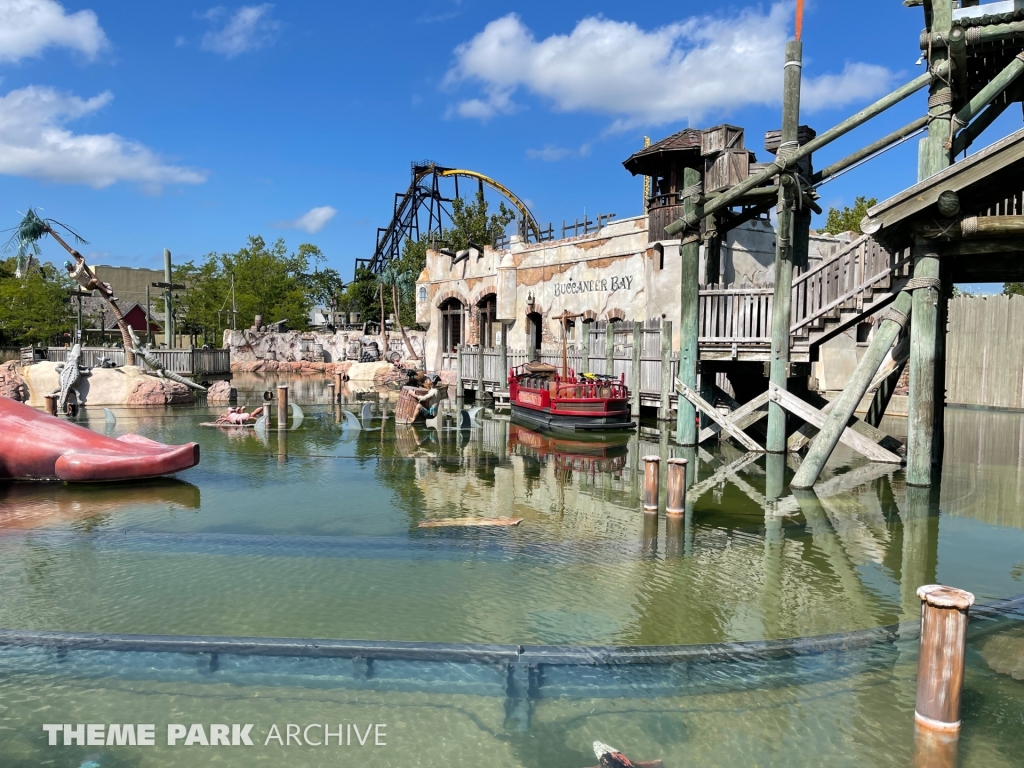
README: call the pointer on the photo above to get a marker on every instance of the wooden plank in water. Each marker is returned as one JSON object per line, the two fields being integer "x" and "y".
{"x": 471, "y": 522}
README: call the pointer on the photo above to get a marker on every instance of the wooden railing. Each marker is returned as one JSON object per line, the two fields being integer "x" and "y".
{"x": 187, "y": 362}
{"x": 742, "y": 314}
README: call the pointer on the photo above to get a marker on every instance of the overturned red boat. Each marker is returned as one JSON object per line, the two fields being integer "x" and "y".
{"x": 37, "y": 446}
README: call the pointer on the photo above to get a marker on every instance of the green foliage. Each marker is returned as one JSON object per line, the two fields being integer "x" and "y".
{"x": 472, "y": 224}
{"x": 269, "y": 281}
{"x": 1013, "y": 289}
{"x": 34, "y": 309}
{"x": 848, "y": 219}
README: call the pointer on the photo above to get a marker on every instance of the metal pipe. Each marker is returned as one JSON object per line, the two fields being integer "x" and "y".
{"x": 652, "y": 465}
{"x": 810, "y": 147}
{"x": 676, "y": 504}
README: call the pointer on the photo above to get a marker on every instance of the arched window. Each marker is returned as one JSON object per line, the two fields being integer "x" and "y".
{"x": 488, "y": 309}
{"x": 423, "y": 293}
{"x": 451, "y": 324}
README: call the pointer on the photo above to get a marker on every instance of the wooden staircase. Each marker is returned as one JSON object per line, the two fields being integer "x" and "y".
{"x": 843, "y": 290}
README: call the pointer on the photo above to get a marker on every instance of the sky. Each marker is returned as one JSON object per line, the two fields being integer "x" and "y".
{"x": 191, "y": 126}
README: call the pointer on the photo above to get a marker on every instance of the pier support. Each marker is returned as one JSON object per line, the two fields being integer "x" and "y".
{"x": 689, "y": 312}
{"x": 665, "y": 403}
{"x": 609, "y": 348}
{"x": 652, "y": 467}
{"x": 894, "y": 320}
{"x": 784, "y": 250}
{"x": 479, "y": 373}
{"x": 282, "y": 407}
{"x": 638, "y": 344}
{"x": 924, "y": 334}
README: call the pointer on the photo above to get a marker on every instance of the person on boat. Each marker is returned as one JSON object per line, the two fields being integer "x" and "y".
{"x": 428, "y": 400}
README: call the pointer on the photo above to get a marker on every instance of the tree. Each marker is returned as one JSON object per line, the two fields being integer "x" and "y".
{"x": 848, "y": 219}
{"x": 35, "y": 308}
{"x": 1013, "y": 289}
{"x": 398, "y": 281}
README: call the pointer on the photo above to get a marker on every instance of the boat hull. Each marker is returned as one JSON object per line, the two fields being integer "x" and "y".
{"x": 37, "y": 446}
{"x": 544, "y": 420}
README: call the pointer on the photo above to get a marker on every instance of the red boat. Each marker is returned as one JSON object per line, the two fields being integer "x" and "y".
{"x": 543, "y": 398}
{"x": 37, "y": 446}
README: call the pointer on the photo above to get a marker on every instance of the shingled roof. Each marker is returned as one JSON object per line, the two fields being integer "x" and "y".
{"x": 683, "y": 145}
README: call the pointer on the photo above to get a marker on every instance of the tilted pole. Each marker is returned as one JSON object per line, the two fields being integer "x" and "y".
{"x": 825, "y": 441}
{"x": 784, "y": 250}
{"x": 689, "y": 313}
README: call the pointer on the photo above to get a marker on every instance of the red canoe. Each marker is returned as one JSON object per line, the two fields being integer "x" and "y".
{"x": 37, "y": 446}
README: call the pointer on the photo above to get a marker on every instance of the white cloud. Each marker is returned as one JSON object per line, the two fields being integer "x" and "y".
{"x": 551, "y": 153}
{"x": 27, "y": 27}
{"x": 248, "y": 29}
{"x": 686, "y": 70}
{"x": 35, "y": 143}
{"x": 313, "y": 220}
{"x": 180, "y": 41}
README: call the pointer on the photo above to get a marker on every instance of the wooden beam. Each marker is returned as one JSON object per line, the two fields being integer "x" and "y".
{"x": 722, "y": 474}
{"x": 854, "y": 440}
{"x": 689, "y": 317}
{"x": 723, "y": 421}
{"x": 807, "y": 431}
{"x": 742, "y": 416}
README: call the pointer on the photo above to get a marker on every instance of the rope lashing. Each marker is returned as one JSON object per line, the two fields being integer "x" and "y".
{"x": 969, "y": 226}
{"x": 786, "y": 150}
{"x": 922, "y": 283}
{"x": 900, "y": 318}
{"x": 693, "y": 189}
{"x": 939, "y": 98}
{"x": 973, "y": 36}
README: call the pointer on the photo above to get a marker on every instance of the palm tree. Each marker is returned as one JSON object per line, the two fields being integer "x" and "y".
{"x": 399, "y": 282}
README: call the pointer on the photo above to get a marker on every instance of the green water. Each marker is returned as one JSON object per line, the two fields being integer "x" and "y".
{"x": 314, "y": 533}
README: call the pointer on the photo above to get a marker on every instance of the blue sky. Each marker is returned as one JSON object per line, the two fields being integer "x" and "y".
{"x": 192, "y": 125}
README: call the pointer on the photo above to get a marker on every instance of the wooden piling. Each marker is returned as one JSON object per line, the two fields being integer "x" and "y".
{"x": 51, "y": 404}
{"x": 924, "y": 333}
{"x": 460, "y": 385}
{"x": 943, "y": 647}
{"x": 676, "y": 504}
{"x": 339, "y": 382}
{"x": 609, "y": 348}
{"x": 480, "y": 373}
{"x": 652, "y": 465}
{"x": 585, "y": 352}
{"x": 282, "y": 407}
{"x": 638, "y": 343}
{"x": 503, "y": 359}
{"x": 689, "y": 313}
{"x": 784, "y": 250}
{"x": 665, "y": 402}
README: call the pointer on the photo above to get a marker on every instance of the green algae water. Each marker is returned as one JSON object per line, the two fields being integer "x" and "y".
{"x": 314, "y": 533}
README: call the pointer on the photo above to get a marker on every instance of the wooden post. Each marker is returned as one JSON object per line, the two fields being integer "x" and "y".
{"x": 503, "y": 360}
{"x": 585, "y": 337}
{"x": 282, "y": 407}
{"x": 652, "y": 465}
{"x": 609, "y": 348}
{"x": 676, "y": 487}
{"x": 168, "y": 309}
{"x": 940, "y": 668}
{"x": 665, "y": 403}
{"x": 784, "y": 250}
{"x": 825, "y": 441}
{"x": 689, "y": 314}
{"x": 638, "y": 343}
{"x": 460, "y": 385}
{"x": 941, "y": 330}
{"x": 775, "y": 476}
{"x": 51, "y": 404}
{"x": 924, "y": 333}
{"x": 338, "y": 384}
{"x": 480, "y": 373}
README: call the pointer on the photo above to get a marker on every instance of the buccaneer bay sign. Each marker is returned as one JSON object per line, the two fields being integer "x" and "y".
{"x": 598, "y": 285}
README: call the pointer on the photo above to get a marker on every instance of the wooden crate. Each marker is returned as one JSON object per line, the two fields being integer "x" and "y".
{"x": 772, "y": 139}
{"x": 726, "y": 169}
{"x": 720, "y": 138}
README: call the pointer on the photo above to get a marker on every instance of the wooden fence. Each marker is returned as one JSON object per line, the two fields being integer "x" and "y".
{"x": 200, "y": 363}
{"x": 985, "y": 351}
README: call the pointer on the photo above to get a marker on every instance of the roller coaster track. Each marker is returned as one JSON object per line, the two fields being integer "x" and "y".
{"x": 424, "y": 192}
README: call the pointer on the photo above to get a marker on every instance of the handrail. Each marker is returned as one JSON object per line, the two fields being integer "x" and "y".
{"x": 851, "y": 246}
